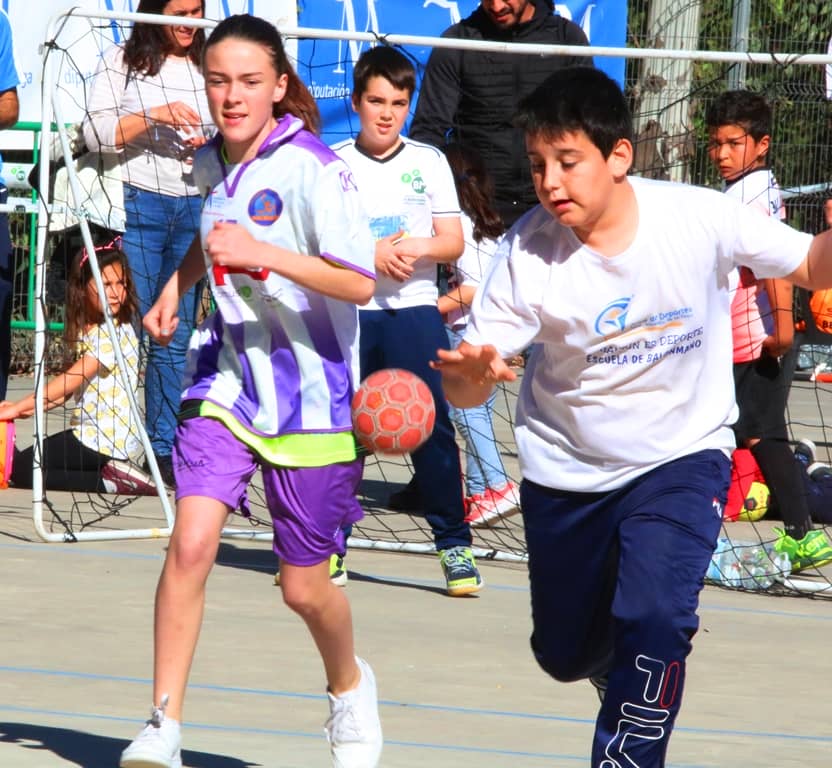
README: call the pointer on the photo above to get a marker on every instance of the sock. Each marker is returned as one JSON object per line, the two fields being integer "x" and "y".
{"x": 782, "y": 473}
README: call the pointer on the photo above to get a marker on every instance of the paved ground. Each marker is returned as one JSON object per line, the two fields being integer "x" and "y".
{"x": 457, "y": 683}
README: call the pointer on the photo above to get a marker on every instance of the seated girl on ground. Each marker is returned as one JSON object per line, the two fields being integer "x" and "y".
{"x": 93, "y": 454}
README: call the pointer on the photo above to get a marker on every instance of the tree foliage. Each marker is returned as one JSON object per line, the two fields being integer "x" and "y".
{"x": 802, "y": 132}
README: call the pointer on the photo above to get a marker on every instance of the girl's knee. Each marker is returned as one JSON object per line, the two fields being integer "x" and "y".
{"x": 191, "y": 553}
{"x": 304, "y": 591}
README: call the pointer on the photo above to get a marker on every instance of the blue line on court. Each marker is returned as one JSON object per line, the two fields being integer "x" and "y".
{"x": 479, "y": 712}
{"x": 317, "y": 736}
{"x": 77, "y": 550}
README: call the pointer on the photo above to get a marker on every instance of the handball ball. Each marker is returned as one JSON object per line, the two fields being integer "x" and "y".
{"x": 393, "y": 412}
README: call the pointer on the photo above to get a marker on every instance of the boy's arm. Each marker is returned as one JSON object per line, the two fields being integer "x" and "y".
{"x": 446, "y": 244}
{"x": 780, "y": 297}
{"x": 815, "y": 271}
{"x": 470, "y": 372}
{"x": 457, "y": 298}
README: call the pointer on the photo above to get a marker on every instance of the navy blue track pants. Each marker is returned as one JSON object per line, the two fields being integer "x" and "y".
{"x": 408, "y": 339}
{"x": 615, "y": 580}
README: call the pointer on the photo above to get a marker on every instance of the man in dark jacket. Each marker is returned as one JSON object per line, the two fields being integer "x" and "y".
{"x": 471, "y": 96}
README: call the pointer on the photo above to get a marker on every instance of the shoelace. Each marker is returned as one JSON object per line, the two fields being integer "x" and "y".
{"x": 157, "y": 714}
{"x": 342, "y": 725}
{"x": 456, "y": 561}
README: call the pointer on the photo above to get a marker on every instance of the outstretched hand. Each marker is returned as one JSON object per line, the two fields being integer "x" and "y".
{"x": 470, "y": 372}
{"x": 476, "y": 365}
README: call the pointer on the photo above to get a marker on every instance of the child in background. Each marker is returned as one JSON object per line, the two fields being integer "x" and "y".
{"x": 739, "y": 132}
{"x": 624, "y": 414}
{"x": 491, "y": 495}
{"x": 269, "y": 381}
{"x": 408, "y": 192}
{"x": 817, "y": 478}
{"x": 93, "y": 456}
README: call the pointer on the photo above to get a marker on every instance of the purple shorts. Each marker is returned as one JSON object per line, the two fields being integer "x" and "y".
{"x": 309, "y": 506}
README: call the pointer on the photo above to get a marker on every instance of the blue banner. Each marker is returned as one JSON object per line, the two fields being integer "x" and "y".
{"x": 326, "y": 66}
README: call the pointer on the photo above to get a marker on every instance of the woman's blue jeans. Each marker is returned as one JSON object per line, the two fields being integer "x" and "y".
{"x": 160, "y": 228}
{"x": 483, "y": 464}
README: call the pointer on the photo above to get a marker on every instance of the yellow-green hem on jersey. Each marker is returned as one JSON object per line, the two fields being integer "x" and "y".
{"x": 310, "y": 449}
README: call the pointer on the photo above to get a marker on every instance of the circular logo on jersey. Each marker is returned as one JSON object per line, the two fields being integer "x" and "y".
{"x": 265, "y": 207}
{"x": 613, "y": 317}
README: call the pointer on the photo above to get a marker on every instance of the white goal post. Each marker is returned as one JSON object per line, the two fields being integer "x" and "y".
{"x": 407, "y": 538}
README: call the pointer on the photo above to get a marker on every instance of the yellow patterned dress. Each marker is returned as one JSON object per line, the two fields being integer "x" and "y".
{"x": 102, "y": 419}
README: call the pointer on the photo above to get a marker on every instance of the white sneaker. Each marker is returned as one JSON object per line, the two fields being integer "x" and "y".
{"x": 354, "y": 728}
{"x": 158, "y": 744}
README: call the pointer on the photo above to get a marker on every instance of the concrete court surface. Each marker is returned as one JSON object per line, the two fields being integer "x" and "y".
{"x": 457, "y": 683}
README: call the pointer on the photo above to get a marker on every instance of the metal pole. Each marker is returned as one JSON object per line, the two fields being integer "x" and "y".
{"x": 740, "y": 23}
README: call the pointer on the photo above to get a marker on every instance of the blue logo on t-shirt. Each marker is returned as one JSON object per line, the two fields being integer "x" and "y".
{"x": 265, "y": 207}
{"x": 613, "y": 317}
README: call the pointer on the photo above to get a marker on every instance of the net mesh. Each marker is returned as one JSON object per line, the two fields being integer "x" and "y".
{"x": 669, "y": 99}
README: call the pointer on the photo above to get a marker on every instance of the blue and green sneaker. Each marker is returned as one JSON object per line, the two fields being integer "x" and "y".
{"x": 812, "y": 551}
{"x": 461, "y": 574}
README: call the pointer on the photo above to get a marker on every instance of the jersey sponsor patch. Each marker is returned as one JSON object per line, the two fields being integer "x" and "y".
{"x": 348, "y": 182}
{"x": 265, "y": 207}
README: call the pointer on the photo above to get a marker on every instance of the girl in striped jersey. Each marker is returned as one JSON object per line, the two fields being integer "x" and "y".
{"x": 270, "y": 377}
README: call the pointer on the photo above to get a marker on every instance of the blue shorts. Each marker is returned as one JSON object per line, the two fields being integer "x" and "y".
{"x": 309, "y": 506}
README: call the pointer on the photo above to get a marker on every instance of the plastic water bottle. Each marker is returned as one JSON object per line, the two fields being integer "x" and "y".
{"x": 746, "y": 565}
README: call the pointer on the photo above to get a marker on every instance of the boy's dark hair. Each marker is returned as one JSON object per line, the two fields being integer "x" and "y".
{"x": 577, "y": 99}
{"x": 747, "y": 109}
{"x": 383, "y": 61}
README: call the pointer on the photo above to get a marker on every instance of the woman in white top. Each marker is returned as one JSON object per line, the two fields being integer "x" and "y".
{"x": 147, "y": 103}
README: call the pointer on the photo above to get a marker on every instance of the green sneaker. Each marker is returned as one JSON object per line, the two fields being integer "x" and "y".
{"x": 337, "y": 571}
{"x": 812, "y": 551}
{"x": 461, "y": 574}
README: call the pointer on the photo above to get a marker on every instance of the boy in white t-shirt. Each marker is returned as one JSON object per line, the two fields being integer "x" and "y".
{"x": 739, "y": 140}
{"x": 624, "y": 415}
{"x": 408, "y": 192}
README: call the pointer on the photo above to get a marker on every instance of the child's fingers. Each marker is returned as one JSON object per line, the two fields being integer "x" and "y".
{"x": 160, "y": 324}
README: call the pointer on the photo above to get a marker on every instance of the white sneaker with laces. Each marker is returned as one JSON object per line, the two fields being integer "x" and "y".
{"x": 354, "y": 728}
{"x": 158, "y": 744}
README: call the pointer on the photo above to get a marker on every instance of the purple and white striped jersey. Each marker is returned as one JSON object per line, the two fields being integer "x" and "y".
{"x": 280, "y": 358}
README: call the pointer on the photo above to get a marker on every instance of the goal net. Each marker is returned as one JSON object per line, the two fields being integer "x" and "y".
{"x": 669, "y": 90}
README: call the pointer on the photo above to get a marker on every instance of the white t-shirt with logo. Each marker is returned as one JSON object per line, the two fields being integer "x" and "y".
{"x": 631, "y": 363}
{"x": 403, "y": 192}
